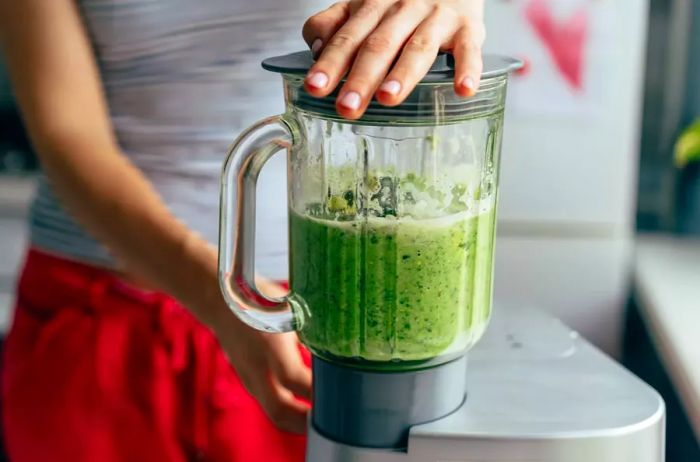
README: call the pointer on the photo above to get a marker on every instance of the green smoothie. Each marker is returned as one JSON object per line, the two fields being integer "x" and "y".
{"x": 385, "y": 289}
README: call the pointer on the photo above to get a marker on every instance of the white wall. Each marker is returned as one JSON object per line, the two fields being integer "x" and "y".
{"x": 569, "y": 163}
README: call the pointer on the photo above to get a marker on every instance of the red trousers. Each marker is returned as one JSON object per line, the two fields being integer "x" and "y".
{"x": 96, "y": 370}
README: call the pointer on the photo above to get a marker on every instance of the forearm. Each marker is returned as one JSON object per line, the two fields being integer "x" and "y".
{"x": 57, "y": 85}
{"x": 116, "y": 204}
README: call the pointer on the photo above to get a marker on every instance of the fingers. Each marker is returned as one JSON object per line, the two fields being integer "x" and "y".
{"x": 269, "y": 288}
{"x": 341, "y": 48}
{"x": 278, "y": 401}
{"x": 418, "y": 55}
{"x": 319, "y": 28}
{"x": 375, "y": 56}
{"x": 468, "y": 62}
{"x": 289, "y": 369}
{"x": 366, "y": 35}
{"x": 298, "y": 381}
{"x": 284, "y": 410}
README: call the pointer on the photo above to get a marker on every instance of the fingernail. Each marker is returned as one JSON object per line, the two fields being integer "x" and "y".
{"x": 317, "y": 79}
{"x": 468, "y": 83}
{"x": 316, "y": 46}
{"x": 393, "y": 87}
{"x": 351, "y": 100}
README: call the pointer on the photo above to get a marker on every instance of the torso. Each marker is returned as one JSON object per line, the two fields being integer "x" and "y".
{"x": 182, "y": 79}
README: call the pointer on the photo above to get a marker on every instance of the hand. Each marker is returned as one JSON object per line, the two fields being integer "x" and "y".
{"x": 365, "y": 37}
{"x": 272, "y": 370}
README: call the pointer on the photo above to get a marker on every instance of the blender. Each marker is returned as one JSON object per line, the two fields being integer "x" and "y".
{"x": 391, "y": 235}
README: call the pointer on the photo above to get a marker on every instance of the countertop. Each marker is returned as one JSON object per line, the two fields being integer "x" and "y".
{"x": 667, "y": 281}
{"x": 15, "y": 196}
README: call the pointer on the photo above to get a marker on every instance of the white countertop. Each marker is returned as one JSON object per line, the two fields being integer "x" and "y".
{"x": 15, "y": 196}
{"x": 667, "y": 278}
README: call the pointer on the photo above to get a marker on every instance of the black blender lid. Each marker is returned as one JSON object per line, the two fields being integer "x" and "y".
{"x": 442, "y": 70}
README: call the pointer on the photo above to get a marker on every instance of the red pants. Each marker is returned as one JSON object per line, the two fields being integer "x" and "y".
{"x": 96, "y": 370}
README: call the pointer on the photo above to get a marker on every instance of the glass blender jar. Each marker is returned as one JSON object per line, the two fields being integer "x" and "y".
{"x": 391, "y": 221}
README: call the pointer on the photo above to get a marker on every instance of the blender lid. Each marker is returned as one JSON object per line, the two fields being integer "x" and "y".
{"x": 442, "y": 70}
{"x": 420, "y": 107}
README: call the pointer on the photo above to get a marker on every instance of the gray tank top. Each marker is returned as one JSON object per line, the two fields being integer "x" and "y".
{"x": 182, "y": 79}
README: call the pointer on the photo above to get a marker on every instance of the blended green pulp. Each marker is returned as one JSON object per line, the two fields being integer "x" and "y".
{"x": 386, "y": 289}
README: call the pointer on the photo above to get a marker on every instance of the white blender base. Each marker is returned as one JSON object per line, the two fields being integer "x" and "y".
{"x": 537, "y": 392}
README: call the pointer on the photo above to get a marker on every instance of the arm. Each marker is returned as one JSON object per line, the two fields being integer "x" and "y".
{"x": 58, "y": 88}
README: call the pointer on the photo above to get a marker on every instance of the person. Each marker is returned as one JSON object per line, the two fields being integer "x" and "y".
{"x": 130, "y": 107}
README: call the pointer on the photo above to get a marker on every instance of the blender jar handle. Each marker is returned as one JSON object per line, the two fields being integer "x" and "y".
{"x": 243, "y": 164}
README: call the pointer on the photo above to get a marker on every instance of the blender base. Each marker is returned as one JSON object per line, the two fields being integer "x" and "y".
{"x": 377, "y": 409}
{"x": 536, "y": 391}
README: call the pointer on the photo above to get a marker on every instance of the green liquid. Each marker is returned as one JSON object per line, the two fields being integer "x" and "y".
{"x": 381, "y": 289}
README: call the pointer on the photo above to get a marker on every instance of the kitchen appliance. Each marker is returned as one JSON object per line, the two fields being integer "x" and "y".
{"x": 391, "y": 235}
{"x": 536, "y": 392}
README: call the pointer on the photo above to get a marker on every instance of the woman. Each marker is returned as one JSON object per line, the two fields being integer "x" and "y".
{"x": 130, "y": 106}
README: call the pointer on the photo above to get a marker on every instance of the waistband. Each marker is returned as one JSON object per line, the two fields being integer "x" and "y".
{"x": 49, "y": 282}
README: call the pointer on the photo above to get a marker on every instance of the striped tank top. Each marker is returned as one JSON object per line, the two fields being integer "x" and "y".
{"x": 182, "y": 79}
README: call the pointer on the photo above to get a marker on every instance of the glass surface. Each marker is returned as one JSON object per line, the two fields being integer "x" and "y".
{"x": 391, "y": 227}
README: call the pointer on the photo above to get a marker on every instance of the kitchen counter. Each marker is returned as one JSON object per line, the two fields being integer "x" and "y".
{"x": 15, "y": 196}
{"x": 667, "y": 280}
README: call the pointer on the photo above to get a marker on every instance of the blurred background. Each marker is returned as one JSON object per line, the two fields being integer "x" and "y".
{"x": 600, "y": 203}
